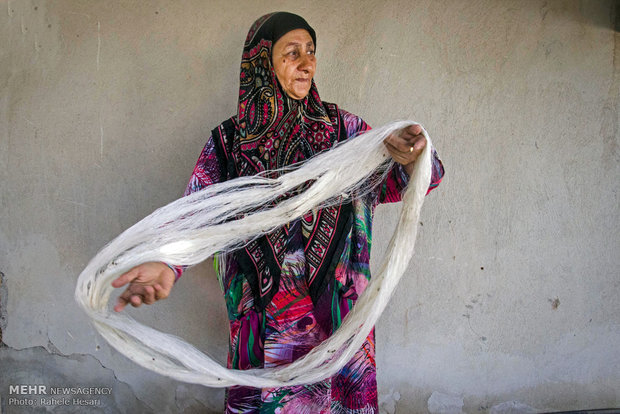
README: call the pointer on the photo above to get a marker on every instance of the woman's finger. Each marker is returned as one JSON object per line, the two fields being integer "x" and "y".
{"x": 404, "y": 143}
{"x": 414, "y": 129}
{"x": 120, "y": 304}
{"x": 148, "y": 296}
{"x": 406, "y": 146}
{"x": 136, "y": 301}
{"x": 160, "y": 292}
{"x": 418, "y": 144}
{"x": 406, "y": 154}
{"x": 410, "y": 132}
{"x": 125, "y": 278}
{"x": 395, "y": 153}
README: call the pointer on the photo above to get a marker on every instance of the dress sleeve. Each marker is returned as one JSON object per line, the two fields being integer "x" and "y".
{"x": 397, "y": 179}
{"x": 206, "y": 172}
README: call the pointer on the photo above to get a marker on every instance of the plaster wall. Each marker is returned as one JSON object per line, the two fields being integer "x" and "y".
{"x": 512, "y": 303}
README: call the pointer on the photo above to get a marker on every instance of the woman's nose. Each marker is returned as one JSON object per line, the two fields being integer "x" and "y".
{"x": 306, "y": 62}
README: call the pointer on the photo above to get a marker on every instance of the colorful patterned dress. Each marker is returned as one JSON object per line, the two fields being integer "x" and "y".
{"x": 293, "y": 323}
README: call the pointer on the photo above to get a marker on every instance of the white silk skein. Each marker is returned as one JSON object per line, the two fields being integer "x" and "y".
{"x": 226, "y": 216}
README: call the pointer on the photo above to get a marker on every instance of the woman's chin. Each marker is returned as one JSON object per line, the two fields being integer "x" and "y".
{"x": 298, "y": 96}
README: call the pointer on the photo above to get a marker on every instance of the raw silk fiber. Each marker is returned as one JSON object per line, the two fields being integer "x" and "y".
{"x": 226, "y": 216}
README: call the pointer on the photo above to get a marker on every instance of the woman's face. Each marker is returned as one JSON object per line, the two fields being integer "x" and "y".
{"x": 294, "y": 62}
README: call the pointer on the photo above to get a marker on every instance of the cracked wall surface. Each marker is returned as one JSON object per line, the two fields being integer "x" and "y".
{"x": 512, "y": 301}
{"x": 3, "y": 300}
{"x": 37, "y": 365}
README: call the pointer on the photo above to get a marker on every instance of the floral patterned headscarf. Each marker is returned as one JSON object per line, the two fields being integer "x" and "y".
{"x": 271, "y": 131}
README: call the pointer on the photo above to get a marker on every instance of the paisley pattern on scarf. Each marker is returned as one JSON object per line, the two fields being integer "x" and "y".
{"x": 272, "y": 131}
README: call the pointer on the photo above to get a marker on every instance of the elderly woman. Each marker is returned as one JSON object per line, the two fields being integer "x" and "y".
{"x": 289, "y": 290}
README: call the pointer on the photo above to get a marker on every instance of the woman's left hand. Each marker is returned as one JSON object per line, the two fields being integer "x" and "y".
{"x": 405, "y": 145}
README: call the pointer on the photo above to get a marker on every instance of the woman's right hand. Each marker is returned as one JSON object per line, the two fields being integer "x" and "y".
{"x": 148, "y": 283}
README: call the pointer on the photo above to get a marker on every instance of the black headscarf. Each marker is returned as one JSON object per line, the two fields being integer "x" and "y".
{"x": 277, "y": 25}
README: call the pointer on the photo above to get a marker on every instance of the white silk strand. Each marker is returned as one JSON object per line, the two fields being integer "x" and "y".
{"x": 224, "y": 217}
